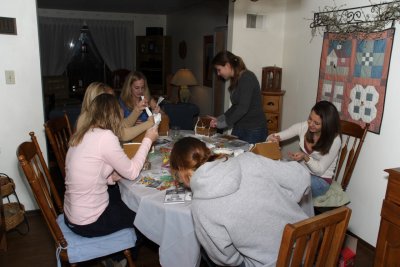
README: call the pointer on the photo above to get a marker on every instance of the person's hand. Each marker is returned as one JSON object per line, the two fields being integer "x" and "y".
{"x": 274, "y": 138}
{"x": 297, "y": 156}
{"x": 213, "y": 122}
{"x": 152, "y": 133}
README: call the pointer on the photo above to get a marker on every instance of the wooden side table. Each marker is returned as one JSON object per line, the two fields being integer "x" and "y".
{"x": 388, "y": 244}
{"x": 272, "y": 106}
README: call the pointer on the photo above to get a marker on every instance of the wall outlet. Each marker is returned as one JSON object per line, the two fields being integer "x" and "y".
{"x": 10, "y": 77}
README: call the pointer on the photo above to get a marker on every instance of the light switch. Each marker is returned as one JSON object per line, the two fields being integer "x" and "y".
{"x": 10, "y": 77}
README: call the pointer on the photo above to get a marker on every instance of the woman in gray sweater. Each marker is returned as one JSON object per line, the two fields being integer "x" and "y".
{"x": 245, "y": 116}
{"x": 240, "y": 205}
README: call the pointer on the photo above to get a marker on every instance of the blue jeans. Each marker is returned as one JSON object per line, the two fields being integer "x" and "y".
{"x": 318, "y": 186}
{"x": 251, "y": 136}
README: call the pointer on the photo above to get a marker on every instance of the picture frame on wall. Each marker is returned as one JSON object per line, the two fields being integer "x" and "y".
{"x": 208, "y": 54}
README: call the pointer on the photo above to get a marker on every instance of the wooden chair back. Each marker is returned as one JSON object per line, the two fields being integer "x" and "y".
{"x": 58, "y": 131}
{"x": 35, "y": 169}
{"x": 163, "y": 128}
{"x": 353, "y": 136}
{"x": 118, "y": 78}
{"x": 316, "y": 241}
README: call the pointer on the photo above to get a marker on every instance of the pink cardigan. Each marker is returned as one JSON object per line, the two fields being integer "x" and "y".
{"x": 89, "y": 165}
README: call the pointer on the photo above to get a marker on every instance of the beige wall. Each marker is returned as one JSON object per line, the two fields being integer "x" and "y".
{"x": 191, "y": 25}
{"x": 258, "y": 47}
{"x": 299, "y": 55}
{"x": 21, "y": 105}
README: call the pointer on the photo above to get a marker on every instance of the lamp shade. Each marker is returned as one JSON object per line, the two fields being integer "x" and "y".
{"x": 184, "y": 77}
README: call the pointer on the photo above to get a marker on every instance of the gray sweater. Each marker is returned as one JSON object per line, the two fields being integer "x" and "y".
{"x": 240, "y": 207}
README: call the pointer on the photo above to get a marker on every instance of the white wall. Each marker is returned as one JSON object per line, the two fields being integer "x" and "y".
{"x": 300, "y": 79}
{"x": 191, "y": 25}
{"x": 299, "y": 55}
{"x": 257, "y": 47}
{"x": 21, "y": 105}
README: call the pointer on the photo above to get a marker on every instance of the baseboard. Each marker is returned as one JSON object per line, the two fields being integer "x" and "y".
{"x": 363, "y": 242}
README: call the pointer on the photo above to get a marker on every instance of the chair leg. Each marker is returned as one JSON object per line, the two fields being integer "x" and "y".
{"x": 128, "y": 256}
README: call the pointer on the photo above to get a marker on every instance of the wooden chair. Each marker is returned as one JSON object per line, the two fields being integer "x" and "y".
{"x": 71, "y": 248}
{"x": 353, "y": 136}
{"x": 118, "y": 78}
{"x": 316, "y": 241}
{"x": 58, "y": 131}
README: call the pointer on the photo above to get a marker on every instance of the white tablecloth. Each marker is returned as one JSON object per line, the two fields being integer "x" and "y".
{"x": 168, "y": 225}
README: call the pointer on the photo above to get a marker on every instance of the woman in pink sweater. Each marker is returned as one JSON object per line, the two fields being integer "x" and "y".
{"x": 94, "y": 160}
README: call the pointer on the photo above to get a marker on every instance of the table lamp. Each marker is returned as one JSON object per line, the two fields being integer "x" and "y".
{"x": 184, "y": 78}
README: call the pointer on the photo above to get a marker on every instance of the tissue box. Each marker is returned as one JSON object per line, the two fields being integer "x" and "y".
{"x": 348, "y": 253}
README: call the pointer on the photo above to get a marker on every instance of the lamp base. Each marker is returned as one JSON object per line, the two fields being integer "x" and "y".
{"x": 184, "y": 94}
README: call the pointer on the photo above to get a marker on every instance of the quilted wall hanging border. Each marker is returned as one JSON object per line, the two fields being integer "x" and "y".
{"x": 353, "y": 75}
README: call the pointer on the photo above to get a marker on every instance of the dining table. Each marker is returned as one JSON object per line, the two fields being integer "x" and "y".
{"x": 168, "y": 225}
{"x": 171, "y": 226}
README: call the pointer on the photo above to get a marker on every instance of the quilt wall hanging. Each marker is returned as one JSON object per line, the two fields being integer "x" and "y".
{"x": 353, "y": 75}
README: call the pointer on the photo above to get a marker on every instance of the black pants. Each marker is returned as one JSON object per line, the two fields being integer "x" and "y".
{"x": 116, "y": 216}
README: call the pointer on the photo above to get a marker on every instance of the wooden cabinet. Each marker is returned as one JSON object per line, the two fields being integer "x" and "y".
{"x": 388, "y": 245}
{"x": 272, "y": 106}
{"x": 153, "y": 58}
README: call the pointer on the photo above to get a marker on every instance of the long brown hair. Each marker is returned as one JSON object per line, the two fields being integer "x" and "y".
{"x": 330, "y": 127}
{"x": 104, "y": 112}
{"x": 236, "y": 63}
{"x": 190, "y": 153}
{"x": 126, "y": 93}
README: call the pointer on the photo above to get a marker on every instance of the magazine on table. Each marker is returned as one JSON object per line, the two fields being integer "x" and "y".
{"x": 177, "y": 195}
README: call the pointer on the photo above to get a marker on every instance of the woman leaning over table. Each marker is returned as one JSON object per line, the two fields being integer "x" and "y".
{"x": 93, "y": 160}
{"x": 129, "y": 131}
{"x": 245, "y": 116}
{"x": 135, "y": 86}
{"x": 240, "y": 205}
{"x": 320, "y": 143}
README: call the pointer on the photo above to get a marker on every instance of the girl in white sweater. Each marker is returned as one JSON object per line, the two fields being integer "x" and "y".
{"x": 320, "y": 143}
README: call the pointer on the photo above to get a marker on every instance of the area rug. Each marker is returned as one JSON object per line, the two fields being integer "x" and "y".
{"x": 353, "y": 75}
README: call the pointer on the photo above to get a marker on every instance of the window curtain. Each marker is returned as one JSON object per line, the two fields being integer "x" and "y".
{"x": 56, "y": 36}
{"x": 115, "y": 42}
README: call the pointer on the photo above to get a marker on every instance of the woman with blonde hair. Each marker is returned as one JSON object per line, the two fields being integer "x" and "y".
{"x": 134, "y": 88}
{"x": 94, "y": 160}
{"x": 129, "y": 131}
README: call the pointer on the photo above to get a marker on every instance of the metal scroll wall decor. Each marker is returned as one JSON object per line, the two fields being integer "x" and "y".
{"x": 364, "y": 19}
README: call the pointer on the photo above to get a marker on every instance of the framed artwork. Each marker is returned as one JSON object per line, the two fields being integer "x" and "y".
{"x": 208, "y": 53}
{"x": 353, "y": 75}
